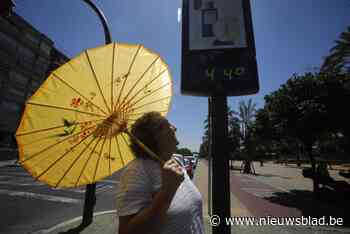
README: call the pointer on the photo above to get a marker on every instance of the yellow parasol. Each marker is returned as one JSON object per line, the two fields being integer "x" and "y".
{"x": 74, "y": 130}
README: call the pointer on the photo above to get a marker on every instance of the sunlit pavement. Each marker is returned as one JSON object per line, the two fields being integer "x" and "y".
{"x": 276, "y": 191}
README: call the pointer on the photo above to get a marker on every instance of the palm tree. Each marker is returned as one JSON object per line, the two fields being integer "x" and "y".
{"x": 339, "y": 59}
{"x": 233, "y": 132}
{"x": 246, "y": 116}
{"x": 204, "y": 147}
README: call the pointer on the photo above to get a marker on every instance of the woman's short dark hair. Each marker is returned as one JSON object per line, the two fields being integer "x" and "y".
{"x": 145, "y": 130}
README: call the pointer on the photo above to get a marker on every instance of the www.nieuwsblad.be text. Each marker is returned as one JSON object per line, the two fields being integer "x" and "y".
{"x": 215, "y": 220}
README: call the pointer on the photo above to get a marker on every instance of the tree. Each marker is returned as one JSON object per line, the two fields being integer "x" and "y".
{"x": 335, "y": 75}
{"x": 339, "y": 59}
{"x": 184, "y": 151}
{"x": 204, "y": 149}
{"x": 297, "y": 112}
{"x": 234, "y": 133}
{"x": 263, "y": 133}
{"x": 335, "y": 96}
{"x": 246, "y": 116}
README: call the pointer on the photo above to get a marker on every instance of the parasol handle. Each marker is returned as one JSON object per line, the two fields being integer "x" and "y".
{"x": 144, "y": 147}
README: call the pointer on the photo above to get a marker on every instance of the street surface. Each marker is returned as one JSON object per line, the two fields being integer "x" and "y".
{"x": 28, "y": 206}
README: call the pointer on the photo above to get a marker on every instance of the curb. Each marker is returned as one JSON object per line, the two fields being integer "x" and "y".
{"x": 68, "y": 222}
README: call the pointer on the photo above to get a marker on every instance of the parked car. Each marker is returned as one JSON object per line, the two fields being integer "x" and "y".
{"x": 187, "y": 163}
{"x": 193, "y": 160}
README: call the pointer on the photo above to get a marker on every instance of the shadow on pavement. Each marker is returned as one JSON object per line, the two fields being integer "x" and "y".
{"x": 271, "y": 175}
{"x": 329, "y": 204}
{"x": 75, "y": 230}
{"x": 235, "y": 168}
{"x": 297, "y": 167}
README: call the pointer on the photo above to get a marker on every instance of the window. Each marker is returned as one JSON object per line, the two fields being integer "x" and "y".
{"x": 32, "y": 38}
{"x": 18, "y": 79}
{"x": 41, "y": 66}
{"x": 11, "y": 106}
{"x": 35, "y": 86}
{"x": 26, "y": 53}
{"x": 4, "y": 75}
{"x": 45, "y": 48}
{"x": 7, "y": 43}
{"x": 15, "y": 91}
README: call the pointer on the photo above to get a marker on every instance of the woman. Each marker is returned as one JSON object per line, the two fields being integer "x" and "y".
{"x": 155, "y": 198}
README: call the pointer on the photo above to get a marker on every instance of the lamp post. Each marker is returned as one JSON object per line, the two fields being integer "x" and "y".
{"x": 90, "y": 193}
{"x": 108, "y": 38}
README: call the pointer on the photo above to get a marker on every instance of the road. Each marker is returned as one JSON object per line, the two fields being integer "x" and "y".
{"x": 27, "y": 206}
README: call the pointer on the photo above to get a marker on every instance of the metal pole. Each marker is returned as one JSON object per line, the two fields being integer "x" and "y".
{"x": 210, "y": 158}
{"x": 90, "y": 193}
{"x": 220, "y": 163}
{"x": 108, "y": 38}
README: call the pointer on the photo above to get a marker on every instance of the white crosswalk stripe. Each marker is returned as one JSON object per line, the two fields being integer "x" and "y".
{"x": 39, "y": 196}
{"x": 19, "y": 181}
{"x": 100, "y": 187}
{"x": 23, "y": 180}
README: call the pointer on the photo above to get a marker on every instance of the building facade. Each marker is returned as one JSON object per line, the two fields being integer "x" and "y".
{"x": 26, "y": 58}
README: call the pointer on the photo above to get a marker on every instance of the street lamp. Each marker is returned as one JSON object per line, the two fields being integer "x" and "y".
{"x": 90, "y": 193}
{"x": 103, "y": 19}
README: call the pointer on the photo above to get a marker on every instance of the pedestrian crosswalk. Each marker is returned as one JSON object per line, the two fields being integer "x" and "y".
{"x": 100, "y": 187}
{"x": 16, "y": 182}
{"x": 31, "y": 195}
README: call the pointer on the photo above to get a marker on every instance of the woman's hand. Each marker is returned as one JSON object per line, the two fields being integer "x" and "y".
{"x": 172, "y": 176}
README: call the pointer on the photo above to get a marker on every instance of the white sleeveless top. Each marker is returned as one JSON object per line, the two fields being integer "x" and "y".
{"x": 141, "y": 178}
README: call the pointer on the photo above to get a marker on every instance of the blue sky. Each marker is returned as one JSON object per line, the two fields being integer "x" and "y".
{"x": 291, "y": 36}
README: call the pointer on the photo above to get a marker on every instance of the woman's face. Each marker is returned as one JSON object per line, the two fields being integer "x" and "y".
{"x": 166, "y": 139}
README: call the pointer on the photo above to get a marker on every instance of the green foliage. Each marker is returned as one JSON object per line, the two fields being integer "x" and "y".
{"x": 246, "y": 117}
{"x": 184, "y": 151}
{"x": 204, "y": 149}
{"x": 339, "y": 59}
{"x": 295, "y": 109}
{"x": 234, "y": 135}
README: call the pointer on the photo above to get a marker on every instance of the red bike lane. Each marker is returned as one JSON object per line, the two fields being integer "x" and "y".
{"x": 251, "y": 192}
